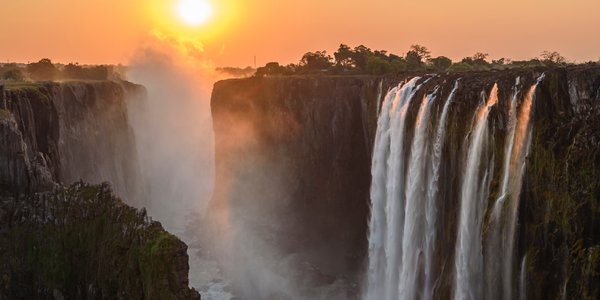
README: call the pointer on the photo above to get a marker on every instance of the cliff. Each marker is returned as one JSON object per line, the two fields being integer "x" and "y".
{"x": 82, "y": 242}
{"x": 301, "y": 148}
{"x": 67, "y": 132}
{"x": 295, "y": 152}
{"x": 79, "y": 241}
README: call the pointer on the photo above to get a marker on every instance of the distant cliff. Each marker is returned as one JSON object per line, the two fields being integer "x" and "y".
{"x": 297, "y": 151}
{"x": 80, "y": 241}
{"x": 301, "y": 146}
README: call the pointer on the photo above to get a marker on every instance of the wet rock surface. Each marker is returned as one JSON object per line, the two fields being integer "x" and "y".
{"x": 82, "y": 242}
{"x": 78, "y": 242}
{"x": 299, "y": 148}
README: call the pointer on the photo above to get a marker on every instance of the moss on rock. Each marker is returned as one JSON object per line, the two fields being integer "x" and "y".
{"x": 83, "y": 242}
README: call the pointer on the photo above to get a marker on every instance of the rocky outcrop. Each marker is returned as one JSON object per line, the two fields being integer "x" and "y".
{"x": 299, "y": 148}
{"x": 560, "y": 215}
{"x": 82, "y": 242}
{"x": 29, "y": 148}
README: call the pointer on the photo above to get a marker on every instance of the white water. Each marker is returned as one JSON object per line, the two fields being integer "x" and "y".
{"x": 405, "y": 198}
{"x": 387, "y": 209}
{"x": 494, "y": 240}
{"x": 523, "y": 279}
{"x": 504, "y": 214}
{"x": 468, "y": 257}
{"x": 402, "y": 207}
{"x": 431, "y": 212}
{"x": 413, "y": 240}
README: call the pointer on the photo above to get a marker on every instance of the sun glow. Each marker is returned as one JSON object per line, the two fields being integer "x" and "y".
{"x": 194, "y": 12}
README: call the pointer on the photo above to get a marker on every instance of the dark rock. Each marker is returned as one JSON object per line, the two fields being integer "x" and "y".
{"x": 82, "y": 242}
{"x": 79, "y": 242}
{"x": 67, "y": 132}
{"x": 297, "y": 149}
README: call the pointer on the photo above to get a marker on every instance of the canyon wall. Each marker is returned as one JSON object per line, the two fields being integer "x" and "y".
{"x": 80, "y": 241}
{"x": 68, "y": 132}
{"x": 294, "y": 160}
{"x": 294, "y": 152}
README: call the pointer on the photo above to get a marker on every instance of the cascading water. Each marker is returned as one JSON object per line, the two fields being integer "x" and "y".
{"x": 389, "y": 244}
{"x": 503, "y": 218}
{"x": 432, "y": 191}
{"x": 468, "y": 257}
{"x": 414, "y": 223}
{"x": 523, "y": 279}
{"x": 405, "y": 197}
{"x": 492, "y": 262}
{"x": 383, "y": 277}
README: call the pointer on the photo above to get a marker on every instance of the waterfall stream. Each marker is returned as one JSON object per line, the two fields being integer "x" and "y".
{"x": 407, "y": 189}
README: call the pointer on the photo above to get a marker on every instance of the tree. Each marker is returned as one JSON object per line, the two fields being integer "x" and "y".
{"x": 413, "y": 61}
{"x": 501, "y": 61}
{"x": 398, "y": 64}
{"x": 460, "y": 67}
{"x": 532, "y": 63}
{"x": 478, "y": 59}
{"x": 75, "y": 71}
{"x": 42, "y": 70}
{"x": 421, "y": 51}
{"x": 344, "y": 57}
{"x": 272, "y": 68}
{"x": 11, "y": 72}
{"x": 440, "y": 63}
{"x": 313, "y": 61}
{"x": 553, "y": 58}
{"x": 378, "y": 66}
{"x": 360, "y": 57}
{"x": 416, "y": 56}
{"x": 480, "y": 56}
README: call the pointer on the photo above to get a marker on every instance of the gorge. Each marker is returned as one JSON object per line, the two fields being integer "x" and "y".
{"x": 482, "y": 184}
{"x": 477, "y": 185}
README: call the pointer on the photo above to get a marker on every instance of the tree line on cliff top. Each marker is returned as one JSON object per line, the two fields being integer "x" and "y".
{"x": 46, "y": 70}
{"x": 363, "y": 60}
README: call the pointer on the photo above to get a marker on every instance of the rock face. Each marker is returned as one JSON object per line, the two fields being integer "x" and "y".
{"x": 68, "y": 132}
{"x": 295, "y": 152}
{"x": 80, "y": 242}
{"x": 300, "y": 148}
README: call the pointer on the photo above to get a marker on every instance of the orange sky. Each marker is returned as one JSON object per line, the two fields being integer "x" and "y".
{"x": 110, "y": 31}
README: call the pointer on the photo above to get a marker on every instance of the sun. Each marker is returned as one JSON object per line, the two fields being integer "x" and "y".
{"x": 194, "y": 12}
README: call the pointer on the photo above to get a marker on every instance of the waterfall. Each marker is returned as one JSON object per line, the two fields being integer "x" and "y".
{"x": 494, "y": 240}
{"x": 523, "y": 279}
{"x": 414, "y": 222}
{"x": 406, "y": 193}
{"x": 503, "y": 218}
{"x": 432, "y": 190}
{"x": 468, "y": 261}
{"x": 401, "y": 207}
{"x": 387, "y": 209}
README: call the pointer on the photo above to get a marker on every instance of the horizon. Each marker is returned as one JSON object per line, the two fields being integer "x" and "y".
{"x": 113, "y": 32}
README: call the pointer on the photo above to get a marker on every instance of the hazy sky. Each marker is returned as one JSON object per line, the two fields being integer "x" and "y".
{"x": 110, "y": 31}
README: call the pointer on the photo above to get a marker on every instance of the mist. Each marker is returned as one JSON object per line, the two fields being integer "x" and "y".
{"x": 173, "y": 130}
{"x": 234, "y": 248}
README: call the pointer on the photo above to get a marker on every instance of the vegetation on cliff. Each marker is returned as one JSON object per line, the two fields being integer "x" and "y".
{"x": 363, "y": 60}
{"x": 562, "y": 202}
{"x": 46, "y": 70}
{"x": 83, "y": 242}
{"x": 303, "y": 118}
